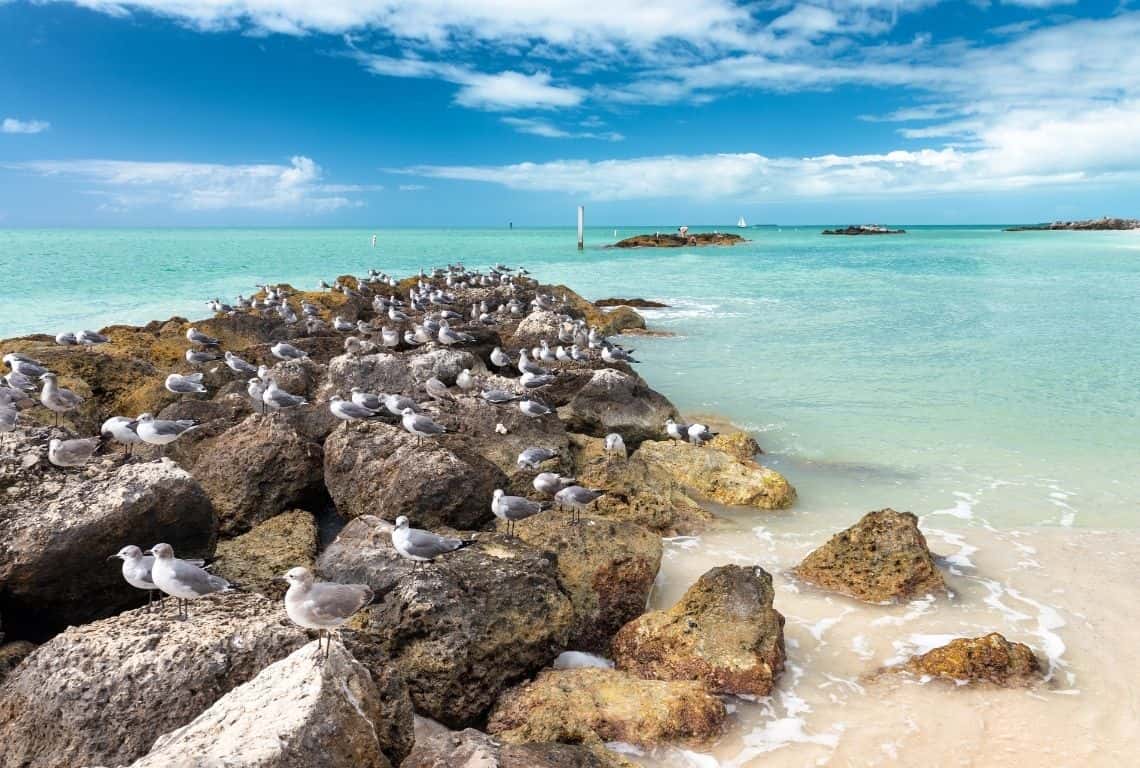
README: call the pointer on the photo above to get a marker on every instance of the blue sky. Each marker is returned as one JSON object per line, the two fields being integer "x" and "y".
{"x": 479, "y": 112}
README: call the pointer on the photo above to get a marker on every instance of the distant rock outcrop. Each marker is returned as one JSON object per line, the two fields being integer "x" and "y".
{"x": 864, "y": 229}
{"x": 1105, "y": 223}
{"x": 677, "y": 241}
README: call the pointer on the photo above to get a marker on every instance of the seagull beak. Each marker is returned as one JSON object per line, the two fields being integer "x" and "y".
{"x": 113, "y": 557}
{"x": 148, "y": 552}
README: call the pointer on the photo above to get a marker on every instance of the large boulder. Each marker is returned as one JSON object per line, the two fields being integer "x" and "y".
{"x": 621, "y": 319}
{"x": 380, "y": 372}
{"x": 606, "y": 566}
{"x": 444, "y": 364}
{"x": 102, "y": 693}
{"x": 57, "y": 529}
{"x": 480, "y": 421}
{"x": 382, "y": 470}
{"x": 460, "y": 630}
{"x": 592, "y": 706}
{"x": 213, "y": 416}
{"x": 614, "y": 401}
{"x": 717, "y": 475}
{"x": 300, "y": 711}
{"x": 723, "y": 632}
{"x": 257, "y": 559}
{"x": 538, "y": 325}
{"x": 473, "y": 749}
{"x": 987, "y": 659}
{"x": 256, "y": 470}
{"x": 881, "y": 558}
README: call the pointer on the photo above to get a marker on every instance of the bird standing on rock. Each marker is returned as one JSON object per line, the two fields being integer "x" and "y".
{"x": 162, "y": 432}
{"x": 122, "y": 430}
{"x": 513, "y": 508}
{"x": 577, "y": 498}
{"x": 182, "y": 580}
{"x": 423, "y": 546}
{"x": 190, "y": 384}
{"x": 56, "y": 398}
{"x": 699, "y": 434}
{"x": 421, "y": 426}
{"x": 322, "y": 605}
{"x": 72, "y": 453}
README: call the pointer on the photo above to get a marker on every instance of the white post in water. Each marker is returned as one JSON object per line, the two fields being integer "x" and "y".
{"x": 581, "y": 227}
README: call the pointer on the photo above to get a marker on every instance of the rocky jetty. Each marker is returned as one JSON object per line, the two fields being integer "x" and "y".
{"x": 635, "y": 303}
{"x": 1101, "y": 224}
{"x": 670, "y": 240}
{"x": 987, "y": 659}
{"x": 864, "y": 229}
{"x": 881, "y": 558}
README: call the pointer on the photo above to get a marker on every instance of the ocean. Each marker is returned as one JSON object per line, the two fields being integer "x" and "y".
{"x": 985, "y": 380}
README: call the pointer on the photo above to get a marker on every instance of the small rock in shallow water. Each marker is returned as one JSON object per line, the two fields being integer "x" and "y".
{"x": 987, "y": 659}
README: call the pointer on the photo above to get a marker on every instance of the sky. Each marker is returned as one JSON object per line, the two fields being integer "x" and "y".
{"x": 381, "y": 113}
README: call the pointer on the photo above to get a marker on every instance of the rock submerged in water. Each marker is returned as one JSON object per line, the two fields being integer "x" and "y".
{"x": 987, "y": 659}
{"x": 724, "y": 632}
{"x": 881, "y": 558}
{"x": 101, "y": 694}
{"x": 473, "y": 749}
{"x": 299, "y": 711}
{"x": 594, "y": 706}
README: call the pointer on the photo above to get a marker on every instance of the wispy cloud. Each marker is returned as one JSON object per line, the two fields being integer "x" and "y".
{"x": 128, "y": 184}
{"x": 412, "y": 187}
{"x": 546, "y": 129}
{"x": 13, "y": 125}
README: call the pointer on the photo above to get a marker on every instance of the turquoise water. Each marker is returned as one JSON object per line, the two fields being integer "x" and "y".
{"x": 989, "y": 375}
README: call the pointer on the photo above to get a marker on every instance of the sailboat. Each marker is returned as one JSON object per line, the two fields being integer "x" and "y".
{"x": 742, "y": 224}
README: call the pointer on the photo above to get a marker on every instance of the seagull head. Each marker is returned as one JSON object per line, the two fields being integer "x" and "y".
{"x": 49, "y": 376}
{"x": 145, "y": 417}
{"x": 54, "y": 444}
{"x": 401, "y": 522}
{"x": 161, "y": 551}
{"x": 298, "y": 575}
{"x": 498, "y": 493}
{"x": 407, "y": 411}
{"x": 129, "y": 552}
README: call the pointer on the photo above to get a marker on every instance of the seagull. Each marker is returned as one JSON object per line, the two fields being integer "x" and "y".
{"x": 423, "y": 546}
{"x": 72, "y": 453}
{"x": 676, "y": 430}
{"x": 438, "y": 391}
{"x": 577, "y": 498}
{"x": 278, "y": 399}
{"x": 190, "y": 384}
{"x": 136, "y": 570}
{"x": 194, "y": 357}
{"x": 66, "y": 339}
{"x": 396, "y": 404}
{"x": 367, "y": 399}
{"x": 194, "y": 336}
{"x": 498, "y": 396}
{"x": 526, "y": 365}
{"x": 551, "y": 483}
{"x": 162, "y": 432}
{"x": 57, "y": 399}
{"x": 90, "y": 338}
{"x": 699, "y": 434}
{"x": 237, "y": 365}
{"x": 534, "y": 409}
{"x": 531, "y": 381}
{"x": 390, "y": 337}
{"x": 533, "y": 456}
{"x": 182, "y": 580}
{"x": 447, "y": 337}
{"x": 322, "y": 605}
{"x": 561, "y": 355}
{"x": 421, "y": 426}
{"x": 614, "y": 444}
{"x": 25, "y": 365}
{"x": 513, "y": 508}
{"x": 9, "y": 417}
{"x": 255, "y": 388}
{"x": 465, "y": 381}
{"x": 284, "y": 351}
{"x": 615, "y": 355}
{"x": 19, "y": 381}
{"x": 499, "y": 358}
{"x": 347, "y": 411}
{"x": 547, "y": 355}
{"x": 122, "y": 430}
{"x": 342, "y": 325}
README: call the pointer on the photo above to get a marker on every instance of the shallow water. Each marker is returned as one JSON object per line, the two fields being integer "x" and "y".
{"x": 986, "y": 381}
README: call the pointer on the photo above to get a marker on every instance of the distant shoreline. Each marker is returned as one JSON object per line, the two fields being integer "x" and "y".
{"x": 1087, "y": 225}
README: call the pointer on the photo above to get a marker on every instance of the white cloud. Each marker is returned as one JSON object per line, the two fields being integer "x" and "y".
{"x": 537, "y": 127}
{"x": 204, "y": 186}
{"x": 412, "y": 187}
{"x": 12, "y": 125}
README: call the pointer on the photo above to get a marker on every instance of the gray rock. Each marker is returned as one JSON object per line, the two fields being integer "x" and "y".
{"x": 473, "y": 749}
{"x": 374, "y": 373}
{"x": 614, "y": 401}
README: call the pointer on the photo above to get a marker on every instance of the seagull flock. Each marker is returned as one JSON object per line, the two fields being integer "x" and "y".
{"x": 424, "y": 315}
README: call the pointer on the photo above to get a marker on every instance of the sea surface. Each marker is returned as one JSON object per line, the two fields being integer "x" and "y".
{"x": 988, "y": 381}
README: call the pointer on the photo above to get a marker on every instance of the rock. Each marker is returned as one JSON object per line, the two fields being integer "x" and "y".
{"x": 987, "y": 659}
{"x": 864, "y": 229}
{"x": 101, "y": 694}
{"x": 621, "y": 319}
{"x": 472, "y": 749}
{"x": 213, "y": 416}
{"x": 256, "y": 470}
{"x": 11, "y": 654}
{"x": 479, "y": 420}
{"x": 58, "y": 528}
{"x": 300, "y": 711}
{"x": 256, "y": 560}
{"x": 606, "y": 566}
{"x": 663, "y": 240}
{"x": 444, "y": 364}
{"x": 656, "y": 503}
{"x": 535, "y": 327}
{"x": 1104, "y": 223}
{"x": 635, "y": 303}
{"x": 882, "y": 557}
{"x": 716, "y": 475}
{"x": 374, "y": 373}
{"x": 613, "y": 401}
{"x": 382, "y": 470}
{"x": 739, "y": 445}
{"x": 592, "y": 706}
{"x": 459, "y": 631}
{"x": 723, "y": 632}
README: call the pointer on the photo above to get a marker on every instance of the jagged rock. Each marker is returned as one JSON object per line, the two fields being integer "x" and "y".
{"x": 213, "y": 416}
{"x": 256, "y": 470}
{"x": 606, "y": 566}
{"x": 613, "y": 401}
{"x": 257, "y": 559}
{"x": 987, "y": 659}
{"x": 57, "y": 529}
{"x": 101, "y": 694}
{"x": 11, "y": 654}
{"x": 882, "y": 557}
{"x": 723, "y": 632}
{"x": 479, "y": 420}
{"x": 473, "y": 749}
{"x": 443, "y": 364}
{"x": 716, "y": 475}
{"x": 382, "y": 470}
{"x": 739, "y": 445}
{"x": 592, "y": 706}
{"x": 460, "y": 630}
{"x": 300, "y": 711}
{"x": 376, "y": 373}
{"x": 657, "y": 503}
{"x": 621, "y": 319}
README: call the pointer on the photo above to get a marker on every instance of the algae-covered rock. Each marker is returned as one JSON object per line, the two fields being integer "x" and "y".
{"x": 606, "y": 566}
{"x": 11, "y": 654}
{"x": 257, "y": 559}
{"x": 714, "y": 474}
{"x": 987, "y": 659}
{"x": 592, "y": 706}
{"x": 621, "y": 319}
{"x": 472, "y": 749}
{"x": 882, "y": 557}
{"x": 723, "y": 632}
